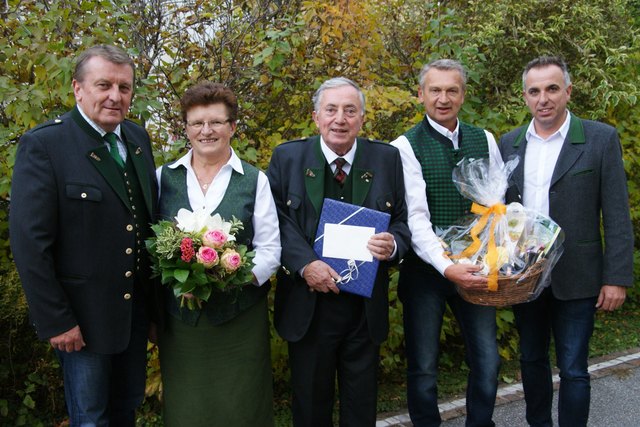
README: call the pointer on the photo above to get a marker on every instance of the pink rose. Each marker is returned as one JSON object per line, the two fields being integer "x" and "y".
{"x": 207, "y": 256}
{"x": 214, "y": 238}
{"x": 230, "y": 260}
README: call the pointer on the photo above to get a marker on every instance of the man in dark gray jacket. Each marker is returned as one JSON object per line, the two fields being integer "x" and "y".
{"x": 572, "y": 170}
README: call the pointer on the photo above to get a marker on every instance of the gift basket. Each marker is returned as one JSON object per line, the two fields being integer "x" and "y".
{"x": 516, "y": 247}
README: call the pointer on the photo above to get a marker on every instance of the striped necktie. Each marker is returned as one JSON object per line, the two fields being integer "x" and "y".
{"x": 339, "y": 175}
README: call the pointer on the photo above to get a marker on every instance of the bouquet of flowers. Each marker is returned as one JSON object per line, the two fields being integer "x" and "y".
{"x": 514, "y": 245}
{"x": 198, "y": 253}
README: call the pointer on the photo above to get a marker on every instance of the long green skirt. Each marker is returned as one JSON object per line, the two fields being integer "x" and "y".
{"x": 218, "y": 375}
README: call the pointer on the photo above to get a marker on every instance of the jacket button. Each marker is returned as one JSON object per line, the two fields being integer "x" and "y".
{"x": 288, "y": 202}
{"x": 128, "y": 274}
{"x": 129, "y": 227}
{"x": 388, "y": 204}
{"x": 83, "y": 195}
{"x": 128, "y": 251}
{"x": 127, "y": 296}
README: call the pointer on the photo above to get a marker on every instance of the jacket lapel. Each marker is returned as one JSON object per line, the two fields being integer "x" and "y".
{"x": 314, "y": 174}
{"x": 569, "y": 154}
{"x": 361, "y": 176}
{"x": 571, "y": 149}
{"x": 100, "y": 158}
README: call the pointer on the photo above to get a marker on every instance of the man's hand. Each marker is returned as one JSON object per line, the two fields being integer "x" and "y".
{"x": 462, "y": 275}
{"x": 611, "y": 297}
{"x": 68, "y": 341}
{"x": 320, "y": 277}
{"x": 381, "y": 245}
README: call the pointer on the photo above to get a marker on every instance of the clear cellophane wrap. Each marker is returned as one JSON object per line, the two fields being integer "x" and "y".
{"x": 506, "y": 240}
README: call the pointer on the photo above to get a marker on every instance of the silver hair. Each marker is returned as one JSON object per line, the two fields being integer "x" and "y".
{"x": 444, "y": 64}
{"x": 333, "y": 83}
{"x": 110, "y": 53}
{"x": 545, "y": 61}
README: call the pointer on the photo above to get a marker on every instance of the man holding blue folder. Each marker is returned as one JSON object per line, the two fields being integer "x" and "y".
{"x": 330, "y": 331}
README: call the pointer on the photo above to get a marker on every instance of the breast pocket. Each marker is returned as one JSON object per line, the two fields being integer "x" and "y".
{"x": 581, "y": 181}
{"x": 83, "y": 192}
{"x": 582, "y": 172}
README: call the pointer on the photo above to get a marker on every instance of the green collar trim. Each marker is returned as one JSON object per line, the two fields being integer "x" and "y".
{"x": 575, "y": 135}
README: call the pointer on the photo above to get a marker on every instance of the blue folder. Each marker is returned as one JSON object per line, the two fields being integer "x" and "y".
{"x": 358, "y": 277}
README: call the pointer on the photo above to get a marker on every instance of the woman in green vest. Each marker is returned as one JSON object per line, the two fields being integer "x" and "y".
{"x": 215, "y": 360}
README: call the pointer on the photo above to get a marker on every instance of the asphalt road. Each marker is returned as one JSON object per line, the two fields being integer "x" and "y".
{"x": 615, "y": 398}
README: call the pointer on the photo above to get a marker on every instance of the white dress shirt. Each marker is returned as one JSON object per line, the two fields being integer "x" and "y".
{"x": 266, "y": 232}
{"x": 539, "y": 163}
{"x": 331, "y": 156}
{"x": 424, "y": 241}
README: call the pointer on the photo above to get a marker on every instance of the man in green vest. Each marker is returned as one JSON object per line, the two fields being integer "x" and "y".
{"x": 428, "y": 280}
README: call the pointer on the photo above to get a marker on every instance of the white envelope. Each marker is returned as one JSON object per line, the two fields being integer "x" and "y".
{"x": 347, "y": 242}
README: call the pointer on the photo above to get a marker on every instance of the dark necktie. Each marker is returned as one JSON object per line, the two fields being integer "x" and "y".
{"x": 340, "y": 174}
{"x": 111, "y": 138}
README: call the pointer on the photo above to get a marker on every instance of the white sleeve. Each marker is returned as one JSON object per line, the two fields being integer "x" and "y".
{"x": 266, "y": 232}
{"x": 423, "y": 240}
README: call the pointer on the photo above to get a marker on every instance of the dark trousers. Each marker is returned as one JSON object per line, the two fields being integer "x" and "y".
{"x": 337, "y": 342}
{"x": 425, "y": 295}
{"x": 572, "y": 325}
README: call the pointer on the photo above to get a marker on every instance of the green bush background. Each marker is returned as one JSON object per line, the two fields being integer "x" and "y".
{"x": 274, "y": 54}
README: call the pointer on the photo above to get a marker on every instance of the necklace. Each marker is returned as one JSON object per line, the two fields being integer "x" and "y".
{"x": 203, "y": 184}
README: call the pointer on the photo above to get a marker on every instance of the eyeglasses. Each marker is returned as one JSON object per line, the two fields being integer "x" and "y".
{"x": 213, "y": 124}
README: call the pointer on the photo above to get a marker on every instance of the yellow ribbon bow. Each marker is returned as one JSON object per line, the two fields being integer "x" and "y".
{"x": 492, "y": 254}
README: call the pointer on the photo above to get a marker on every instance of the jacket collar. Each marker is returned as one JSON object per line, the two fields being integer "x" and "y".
{"x": 98, "y": 152}
{"x": 314, "y": 174}
{"x": 574, "y": 136}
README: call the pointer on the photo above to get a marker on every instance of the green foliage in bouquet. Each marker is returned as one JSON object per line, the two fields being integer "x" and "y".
{"x": 198, "y": 254}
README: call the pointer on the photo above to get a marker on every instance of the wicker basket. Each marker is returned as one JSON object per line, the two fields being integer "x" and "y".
{"x": 511, "y": 289}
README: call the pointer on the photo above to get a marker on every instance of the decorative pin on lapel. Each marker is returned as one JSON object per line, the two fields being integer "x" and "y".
{"x": 367, "y": 176}
{"x": 138, "y": 150}
{"x": 95, "y": 157}
{"x": 309, "y": 173}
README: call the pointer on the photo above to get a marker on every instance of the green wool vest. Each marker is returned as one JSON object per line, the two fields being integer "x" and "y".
{"x": 141, "y": 217}
{"x": 238, "y": 201}
{"x": 333, "y": 190}
{"x": 437, "y": 157}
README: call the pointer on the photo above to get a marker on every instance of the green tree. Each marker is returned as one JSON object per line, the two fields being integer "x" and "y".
{"x": 274, "y": 54}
